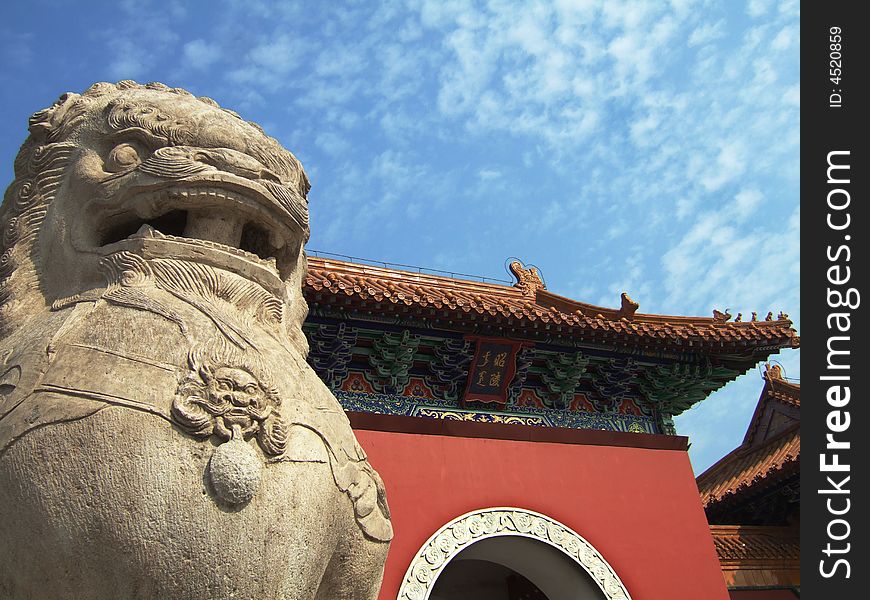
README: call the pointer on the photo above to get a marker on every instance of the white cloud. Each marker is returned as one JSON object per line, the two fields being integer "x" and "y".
{"x": 399, "y": 127}
{"x": 332, "y": 143}
{"x": 730, "y": 164}
{"x": 747, "y": 201}
{"x": 713, "y": 263}
{"x": 628, "y": 14}
{"x": 792, "y": 95}
{"x": 706, "y": 33}
{"x": 129, "y": 63}
{"x": 199, "y": 54}
{"x": 551, "y": 215}
{"x": 281, "y": 54}
{"x": 17, "y": 47}
{"x": 785, "y": 38}
{"x": 757, "y": 8}
{"x": 340, "y": 61}
{"x": 270, "y": 64}
{"x": 618, "y": 229}
{"x": 130, "y": 58}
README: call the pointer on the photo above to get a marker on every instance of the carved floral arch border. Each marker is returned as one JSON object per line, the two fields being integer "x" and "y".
{"x": 477, "y": 525}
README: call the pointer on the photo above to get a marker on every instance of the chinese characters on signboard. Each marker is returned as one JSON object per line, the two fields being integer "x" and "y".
{"x": 491, "y": 371}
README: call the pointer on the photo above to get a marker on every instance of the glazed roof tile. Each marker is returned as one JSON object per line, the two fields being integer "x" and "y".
{"x": 789, "y": 393}
{"x": 751, "y": 468}
{"x": 776, "y": 391}
{"x": 386, "y": 291}
{"x": 744, "y": 543}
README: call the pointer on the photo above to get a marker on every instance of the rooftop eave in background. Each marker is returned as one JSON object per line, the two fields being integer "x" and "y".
{"x": 530, "y": 311}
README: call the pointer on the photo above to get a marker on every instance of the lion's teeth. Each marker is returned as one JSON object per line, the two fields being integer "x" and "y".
{"x": 216, "y": 226}
{"x": 146, "y": 231}
{"x": 276, "y": 239}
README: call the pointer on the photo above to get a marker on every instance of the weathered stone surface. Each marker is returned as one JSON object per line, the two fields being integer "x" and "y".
{"x": 161, "y": 435}
{"x": 235, "y": 472}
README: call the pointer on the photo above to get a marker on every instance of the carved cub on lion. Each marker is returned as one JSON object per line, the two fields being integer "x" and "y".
{"x": 161, "y": 435}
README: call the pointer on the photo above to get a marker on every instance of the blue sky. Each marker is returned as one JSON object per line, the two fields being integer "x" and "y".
{"x": 641, "y": 146}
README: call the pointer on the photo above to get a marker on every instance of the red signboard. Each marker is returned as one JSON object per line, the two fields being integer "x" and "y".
{"x": 491, "y": 371}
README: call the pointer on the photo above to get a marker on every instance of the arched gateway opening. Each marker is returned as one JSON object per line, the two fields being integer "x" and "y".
{"x": 513, "y": 567}
{"x": 509, "y": 554}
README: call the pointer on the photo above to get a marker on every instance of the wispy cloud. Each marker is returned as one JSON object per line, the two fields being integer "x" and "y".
{"x": 269, "y": 62}
{"x": 706, "y": 33}
{"x": 200, "y": 54}
{"x": 17, "y": 48}
{"x": 130, "y": 58}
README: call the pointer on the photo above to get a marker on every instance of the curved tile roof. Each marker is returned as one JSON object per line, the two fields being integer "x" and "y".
{"x": 755, "y": 543}
{"x": 788, "y": 393}
{"x": 748, "y": 469}
{"x": 528, "y": 307}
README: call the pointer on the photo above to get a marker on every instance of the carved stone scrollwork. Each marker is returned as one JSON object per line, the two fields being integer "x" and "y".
{"x": 230, "y": 402}
{"x": 227, "y": 399}
{"x": 472, "y": 527}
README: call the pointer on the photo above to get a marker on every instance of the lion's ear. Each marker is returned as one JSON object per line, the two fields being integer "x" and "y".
{"x": 40, "y": 125}
{"x": 44, "y": 122}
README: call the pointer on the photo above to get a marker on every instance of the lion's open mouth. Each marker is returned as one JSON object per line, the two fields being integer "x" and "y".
{"x": 216, "y": 225}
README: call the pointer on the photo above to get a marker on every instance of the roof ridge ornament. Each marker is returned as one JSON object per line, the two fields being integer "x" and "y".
{"x": 628, "y": 306}
{"x": 721, "y": 317}
{"x": 773, "y": 372}
{"x": 528, "y": 280}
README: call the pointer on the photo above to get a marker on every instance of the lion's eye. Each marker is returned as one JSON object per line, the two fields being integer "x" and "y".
{"x": 122, "y": 157}
{"x": 251, "y": 389}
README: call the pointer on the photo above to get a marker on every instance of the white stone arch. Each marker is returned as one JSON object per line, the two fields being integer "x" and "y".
{"x": 472, "y": 527}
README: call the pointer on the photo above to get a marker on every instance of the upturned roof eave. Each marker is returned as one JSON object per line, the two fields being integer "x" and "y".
{"x": 382, "y": 290}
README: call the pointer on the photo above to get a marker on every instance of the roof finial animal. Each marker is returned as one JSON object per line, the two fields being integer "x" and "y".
{"x": 628, "y": 306}
{"x": 721, "y": 317}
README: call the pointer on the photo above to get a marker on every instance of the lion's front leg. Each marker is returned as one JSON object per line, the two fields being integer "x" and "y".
{"x": 355, "y": 570}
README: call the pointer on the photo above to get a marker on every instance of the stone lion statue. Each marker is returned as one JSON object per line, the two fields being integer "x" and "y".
{"x": 161, "y": 435}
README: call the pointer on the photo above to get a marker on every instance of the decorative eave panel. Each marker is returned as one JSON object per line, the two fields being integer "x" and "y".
{"x": 401, "y": 343}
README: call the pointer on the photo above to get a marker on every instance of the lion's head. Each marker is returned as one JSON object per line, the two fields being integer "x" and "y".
{"x": 229, "y": 394}
{"x": 153, "y": 171}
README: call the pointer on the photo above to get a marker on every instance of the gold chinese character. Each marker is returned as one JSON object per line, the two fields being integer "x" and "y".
{"x": 480, "y": 379}
{"x": 499, "y": 359}
{"x": 495, "y": 379}
{"x": 485, "y": 359}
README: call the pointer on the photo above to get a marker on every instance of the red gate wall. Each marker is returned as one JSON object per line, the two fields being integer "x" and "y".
{"x": 639, "y": 507}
